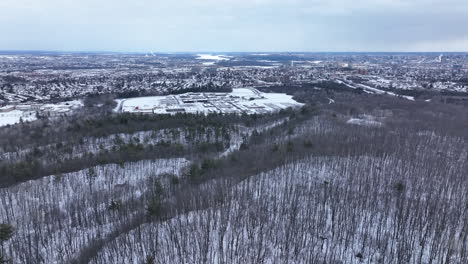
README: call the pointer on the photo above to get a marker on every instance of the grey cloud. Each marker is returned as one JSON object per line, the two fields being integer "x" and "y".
{"x": 228, "y": 25}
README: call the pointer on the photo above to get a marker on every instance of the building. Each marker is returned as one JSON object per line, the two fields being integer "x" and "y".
{"x": 7, "y": 108}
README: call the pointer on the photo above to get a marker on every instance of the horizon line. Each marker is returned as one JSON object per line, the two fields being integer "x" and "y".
{"x": 214, "y": 52}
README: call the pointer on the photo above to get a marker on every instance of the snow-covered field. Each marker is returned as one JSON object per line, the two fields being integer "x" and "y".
{"x": 15, "y": 117}
{"x": 27, "y": 113}
{"x": 64, "y": 106}
{"x": 242, "y": 100}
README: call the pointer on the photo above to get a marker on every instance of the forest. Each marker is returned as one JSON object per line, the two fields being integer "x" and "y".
{"x": 361, "y": 178}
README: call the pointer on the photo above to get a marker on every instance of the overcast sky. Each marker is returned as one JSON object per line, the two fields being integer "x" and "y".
{"x": 234, "y": 25}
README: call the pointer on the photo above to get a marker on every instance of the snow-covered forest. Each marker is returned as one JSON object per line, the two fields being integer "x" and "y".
{"x": 299, "y": 186}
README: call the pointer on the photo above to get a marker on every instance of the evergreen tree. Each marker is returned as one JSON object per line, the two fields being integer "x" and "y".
{"x": 6, "y": 232}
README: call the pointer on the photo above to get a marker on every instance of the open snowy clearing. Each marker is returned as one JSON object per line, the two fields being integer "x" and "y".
{"x": 365, "y": 120}
{"x": 14, "y": 114}
{"x": 15, "y": 117}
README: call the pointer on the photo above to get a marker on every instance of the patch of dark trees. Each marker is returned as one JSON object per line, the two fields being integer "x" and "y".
{"x": 138, "y": 93}
{"x": 203, "y": 89}
{"x": 32, "y": 168}
{"x": 13, "y": 79}
{"x": 73, "y": 128}
{"x": 209, "y": 88}
{"x": 70, "y": 132}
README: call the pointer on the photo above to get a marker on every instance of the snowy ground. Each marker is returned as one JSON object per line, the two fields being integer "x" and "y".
{"x": 15, "y": 117}
{"x": 63, "y": 106}
{"x": 365, "y": 120}
{"x": 242, "y": 100}
{"x": 373, "y": 90}
{"x": 62, "y": 214}
{"x": 27, "y": 114}
{"x": 302, "y": 212}
{"x": 212, "y": 57}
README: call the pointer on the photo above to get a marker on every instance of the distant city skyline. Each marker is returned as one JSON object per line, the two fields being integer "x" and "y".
{"x": 219, "y": 26}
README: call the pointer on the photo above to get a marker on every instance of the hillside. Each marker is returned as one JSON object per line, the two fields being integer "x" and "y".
{"x": 349, "y": 177}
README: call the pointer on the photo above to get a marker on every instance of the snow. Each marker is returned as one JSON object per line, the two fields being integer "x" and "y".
{"x": 212, "y": 57}
{"x": 119, "y": 105}
{"x": 257, "y": 216}
{"x": 141, "y": 103}
{"x": 64, "y": 105}
{"x": 14, "y": 113}
{"x": 41, "y": 207}
{"x": 369, "y": 89}
{"x": 241, "y": 100}
{"x": 242, "y": 92}
{"x": 279, "y": 98}
{"x": 14, "y": 117}
{"x": 364, "y": 120}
